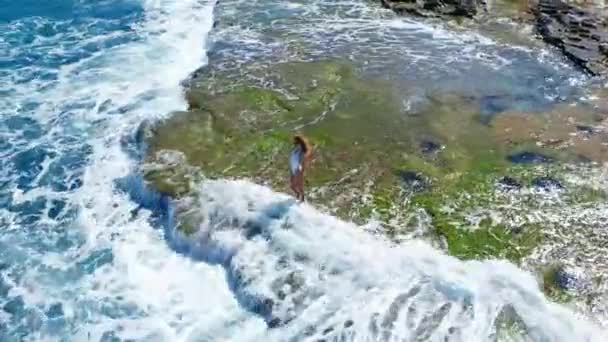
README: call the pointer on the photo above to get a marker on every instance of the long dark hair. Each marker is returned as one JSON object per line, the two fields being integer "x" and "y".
{"x": 304, "y": 143}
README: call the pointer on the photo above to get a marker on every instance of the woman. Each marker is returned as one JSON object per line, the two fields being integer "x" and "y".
{"x": 299, "y": 158}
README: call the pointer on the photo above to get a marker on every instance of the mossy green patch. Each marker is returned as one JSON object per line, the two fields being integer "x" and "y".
{"x": 364, "y": 142}
{"x": 487, "y": 240}
{"x": 455, "y": 196}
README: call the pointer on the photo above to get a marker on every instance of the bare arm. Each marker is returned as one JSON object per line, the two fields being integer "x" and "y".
{"x": 307, "y": 146}
{"x": 308, "y": 155}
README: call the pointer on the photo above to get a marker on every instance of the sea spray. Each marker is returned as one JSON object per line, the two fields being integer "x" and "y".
{"x": 311, "y": 275}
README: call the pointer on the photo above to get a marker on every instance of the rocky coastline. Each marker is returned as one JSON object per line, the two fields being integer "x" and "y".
{"x": 512, "y": 186}
{"x": 578, "y": 28}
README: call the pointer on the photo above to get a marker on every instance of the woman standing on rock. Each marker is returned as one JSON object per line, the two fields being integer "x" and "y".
{"x": 299, "y": 158}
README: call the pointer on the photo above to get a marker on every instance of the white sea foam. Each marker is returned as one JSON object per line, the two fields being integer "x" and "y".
{"x": 315, "y": 276}
{"x": 173, "y": 297}
{"x": 147, "y": 291}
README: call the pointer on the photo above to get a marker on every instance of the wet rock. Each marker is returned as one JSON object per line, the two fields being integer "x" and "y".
{"x": 546, "y": 183}
{"x": 412, "y": 180}
{"x": 563, "y": 282}
{"x": 428, "y": 146}
{"x": 509, "y": 183}
{"x": 585, "y": 129}
{"x": 427, "y": 8}
{"x": 492, "y": 104}
{"x": 573, "y": 279}
{"x": 516, "y": 127}
{"x": 579, "y": 32}
{"x": 142, "y": 133}
{"x": 570, "y": 130}
{"x": 527, "y": 157}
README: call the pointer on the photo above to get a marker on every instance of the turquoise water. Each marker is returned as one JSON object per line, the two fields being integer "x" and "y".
{"x": 77, "y": 78}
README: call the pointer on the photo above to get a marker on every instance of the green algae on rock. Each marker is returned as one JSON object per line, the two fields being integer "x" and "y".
{"x": 246, "y": 130}
{"x": 368, "y": 164}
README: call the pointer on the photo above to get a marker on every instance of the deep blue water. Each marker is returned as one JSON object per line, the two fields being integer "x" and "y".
{"x": 76, "y": 78}
{"x": 44, "y": 149}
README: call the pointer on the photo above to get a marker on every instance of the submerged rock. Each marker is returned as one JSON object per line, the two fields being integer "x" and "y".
{"x": 528, "y": 157}
{"x": 586, "y": 129}
{"x": 428, "y": 146}
{"x": 547, "y": 183}
{"x": 412, "y": 180}
{"x": 509, "y": 183}
{"x": 572, "y": 132}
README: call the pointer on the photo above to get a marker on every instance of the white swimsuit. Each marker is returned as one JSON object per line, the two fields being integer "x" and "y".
{"x": 295, "y": 160}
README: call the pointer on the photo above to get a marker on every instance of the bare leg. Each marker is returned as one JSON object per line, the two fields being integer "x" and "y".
{"x": 293, "y": 184}
{"x": 300, "y": 186}
{"x": 296, "y": 185}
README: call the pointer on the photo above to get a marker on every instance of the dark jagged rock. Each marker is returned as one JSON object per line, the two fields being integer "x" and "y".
{"x": 587, "y": 129}
{"x": 493, "y": 104}
{"x": 509, "y": 183}
{"x": 429, "y": 8}
{"x": 561, "y": 282}
{"x": 546, "y": 183}
{"x": 580, "y": 33}
{"x": 412, "y": 180}
{"x": 429, "y": 146}
{"x": 572, "y": 279}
